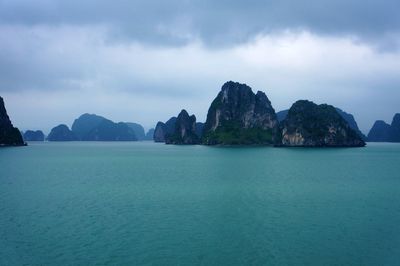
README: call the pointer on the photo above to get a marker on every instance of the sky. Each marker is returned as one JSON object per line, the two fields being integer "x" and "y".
{"x": 144, "y": 61}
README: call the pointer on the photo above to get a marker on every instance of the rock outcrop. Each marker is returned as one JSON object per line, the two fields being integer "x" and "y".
{"x": 185, "y": 130}
{"x": 237, "y": 116}
{"x": 162, "y": 129}
{"x": 91, "y": 127}
{"x": 9, "y": 135}
{"x": 61, "y": 133}
{"x": 383, "y": 132}
{"x": 310, "y": 125}
{"x": 31, "y": 135}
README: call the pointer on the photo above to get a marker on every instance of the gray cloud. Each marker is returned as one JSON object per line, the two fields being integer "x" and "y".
{"x": 215, "y": 23}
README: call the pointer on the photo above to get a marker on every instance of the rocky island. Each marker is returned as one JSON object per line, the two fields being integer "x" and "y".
{"x": 61, "y": 133}
{"x": 91, "y": 127}
{"x": 346, "y": 116}
{"x": 162, "y": 129}
{"x": 137, "y": 129}
{"x": 9, "y": 135}
{"x": 150, "y": 134}
{"x": 310, "y": 125}
{"x": 383, "y": 132}
{"x": 185, "y": 130}
{"x": 31, "y": 135}
{"x": 237, "y": 116}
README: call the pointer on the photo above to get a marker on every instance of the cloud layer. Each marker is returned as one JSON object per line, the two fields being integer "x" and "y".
{"x": 214, "y": 22}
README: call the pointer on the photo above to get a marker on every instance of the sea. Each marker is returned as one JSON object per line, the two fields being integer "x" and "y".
{"x": 145, "y": 203}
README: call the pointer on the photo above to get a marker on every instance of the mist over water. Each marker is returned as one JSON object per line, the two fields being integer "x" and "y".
{"x": 86, "y": 203}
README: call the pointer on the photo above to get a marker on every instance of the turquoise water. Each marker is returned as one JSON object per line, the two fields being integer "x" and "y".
{"x": 154, "y": 204}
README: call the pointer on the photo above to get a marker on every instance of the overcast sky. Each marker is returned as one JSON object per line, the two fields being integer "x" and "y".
{"x": 143, "y": 61}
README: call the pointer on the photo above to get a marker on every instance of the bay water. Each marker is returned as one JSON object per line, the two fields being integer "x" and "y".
{"x": 142, "y": 203}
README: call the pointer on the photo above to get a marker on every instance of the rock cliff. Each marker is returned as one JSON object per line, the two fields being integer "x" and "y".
{"x": 9, "y": 135}
{"x": 185, "y": 130}
{"x": 238, "y": 116}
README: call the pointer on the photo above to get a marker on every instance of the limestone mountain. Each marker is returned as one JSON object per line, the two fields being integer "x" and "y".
{"x": 61, "y": 133}
{"x": 185, "y": 130}
{"x": 383, "y": 132}
{"x": 310, "y": 125}
{"x": 346, "y": 116}
{"x": 380, "y": 132}
{"x": 162, "y": 129}
{"x": 9, "y": 135}
{"x": 85, "y": 123}
{"x": 138, "y": 129}
{"x": 149, "y": 134}
{"x": 91, "y": 127}
{"x": 395, "y": 129}
{"x": 31, "y": 135}
{"x": 110, "y": 131}
{"x": 239, "y": 116}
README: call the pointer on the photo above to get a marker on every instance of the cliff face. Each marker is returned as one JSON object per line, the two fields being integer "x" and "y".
{"x": 61, "y": 133}
{"x": 9, "y": 135}
{"x": 185, "y": 130}
{"x": 382, "y": 132}
{"x": 162, "y": 129}
{"x": 310, "y": 125}
{"x": 31, "y": 135}
{"x": 238, "y": 116}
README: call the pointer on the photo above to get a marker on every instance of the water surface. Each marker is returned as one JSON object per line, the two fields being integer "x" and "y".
{"x": 86, "y": 203}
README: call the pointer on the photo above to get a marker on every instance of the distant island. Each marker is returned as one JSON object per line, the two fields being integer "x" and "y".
{"x": 382, "y": 132}
{"x": 91, "y": 127}
{"x": 237, "y": 116}
{"x": 32, "y": 135}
